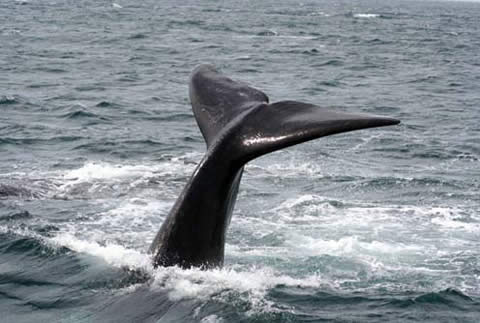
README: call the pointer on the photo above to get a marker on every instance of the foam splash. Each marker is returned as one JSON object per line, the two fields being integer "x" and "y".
{"x": 212, "y": 319}
{"x": 302, "y": 200}
{"x": 249, "y": 284}
{"x": 98, "y": 170}
{"x": 311, "y": 206}
{"x": 287, "y": 169}
{"x": 355, "y": 241}
{"x": 366, "y": 15}
{"x": 108, "y": 178}
{"x": 134, "y": 211}
{"x": 94, "y": 171}
{"x": 113, "y": 254}
{"x": 97, "y": 179}
{"x": 134, "y": 221}
{"x": 319, "y": 13}
{"x": 349, "y": 246}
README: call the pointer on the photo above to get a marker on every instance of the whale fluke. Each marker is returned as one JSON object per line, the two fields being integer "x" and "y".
{"x": 238, "y": 124}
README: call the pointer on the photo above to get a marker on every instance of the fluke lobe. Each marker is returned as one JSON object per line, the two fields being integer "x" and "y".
{"x": 238, "y": 124}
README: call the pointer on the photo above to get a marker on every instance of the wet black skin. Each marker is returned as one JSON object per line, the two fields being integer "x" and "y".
{"x": 238, "y": 125}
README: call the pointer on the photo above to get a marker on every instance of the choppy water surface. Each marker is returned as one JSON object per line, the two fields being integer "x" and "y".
{"x": 97, "y": 139}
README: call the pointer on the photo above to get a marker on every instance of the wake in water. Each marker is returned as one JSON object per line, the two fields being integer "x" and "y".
{"x": 373, "y": 248}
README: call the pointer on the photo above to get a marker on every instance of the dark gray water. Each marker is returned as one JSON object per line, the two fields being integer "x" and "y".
{"x": 97, "y": 139}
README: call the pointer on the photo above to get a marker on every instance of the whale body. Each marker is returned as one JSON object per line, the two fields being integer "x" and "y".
{"x": 238, "y": 124}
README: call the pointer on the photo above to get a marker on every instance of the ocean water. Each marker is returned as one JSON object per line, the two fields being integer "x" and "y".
{"x": 97, "y": 139}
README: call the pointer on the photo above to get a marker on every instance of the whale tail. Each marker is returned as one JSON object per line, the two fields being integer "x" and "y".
{"x": 223, "y": 106}
{"x": 238, "y": 124}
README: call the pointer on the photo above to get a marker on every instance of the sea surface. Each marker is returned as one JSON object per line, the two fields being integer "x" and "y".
{"x": 97, "y": 139}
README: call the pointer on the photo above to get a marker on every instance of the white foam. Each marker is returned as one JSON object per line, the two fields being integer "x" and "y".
{"x": 251, "y": 284}
{"x": 306, "y": 199}
{"x": 394, "y": 237}
{"x": 300, "y": 37}
{"x": 135, "y": 219}
{"x": 319, "y": 13}
{"x": 113, "y": 254}
{"x": 383, "y": 240}
{"x": 100, "y": 171}
{"x": 347, "y": 246}
{"x": 285, "y": 169}
{"x": 116, "y": 5}
{"x": 97, "y": 177}
{"x": 452, "y": 218}
{"x": 212, "y": 319}
{"x": 366, "y": 15}
{"x": 135, "y": 209}
{"x": 310, "y": 207}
